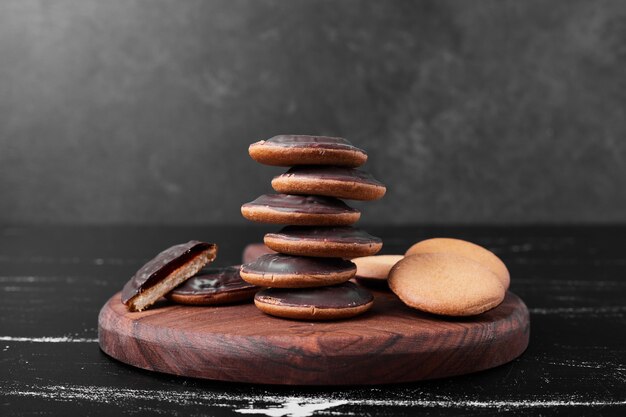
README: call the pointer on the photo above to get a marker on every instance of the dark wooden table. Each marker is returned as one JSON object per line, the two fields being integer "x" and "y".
{"x": 53, "y": 281}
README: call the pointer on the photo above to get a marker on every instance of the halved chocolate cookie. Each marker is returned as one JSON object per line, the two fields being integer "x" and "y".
{"x": 321, "y": 303}
{"x": 300, "y": 210}
{"x": 213, "y": 286}
{"x": 165, "y": 272}
{"x": 331, "y": 181}
{"x": 285, "y": 271}
{"x": 340, "y": 242}
{"x": 288, "y": 150}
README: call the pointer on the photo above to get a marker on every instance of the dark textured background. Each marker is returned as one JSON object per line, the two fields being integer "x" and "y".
{"x": 482, "y": 111}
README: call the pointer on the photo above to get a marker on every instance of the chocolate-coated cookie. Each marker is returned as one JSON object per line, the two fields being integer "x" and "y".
{"x": 464, "y": 248}
{"x": 300, "y": 210}
{"x": 288, "y": 150}
{"x": 165, "y": 272}
{"x": 212, "y": 286}
{"x": 341, "y": 182}
{"x": 340, "y": 242}
{"x": 446, "y": 284}
{"x": 321, "y": 303}
{"x": 286, "y": 271}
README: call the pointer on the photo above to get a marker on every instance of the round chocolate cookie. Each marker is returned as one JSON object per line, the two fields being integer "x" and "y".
{"x": 285, "y": 271}
{"x": 213, "y": 286}
{"x": 334, "y": 242}
{"x": 321, "y": 303}
{"x": 300, "y": 210}
{"x": 446, "y": 284}
{"x": 331, "y": 181}
{"x": 288, "y": 150}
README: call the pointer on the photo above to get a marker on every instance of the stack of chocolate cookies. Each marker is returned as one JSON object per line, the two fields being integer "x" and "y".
{"x": 308, "y": 277}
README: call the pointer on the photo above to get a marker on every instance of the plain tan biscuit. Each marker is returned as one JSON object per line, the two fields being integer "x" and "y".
{"x": 445, "y": 284}
{"x": 376, "y": 267}
{"x": 467, "y": 249}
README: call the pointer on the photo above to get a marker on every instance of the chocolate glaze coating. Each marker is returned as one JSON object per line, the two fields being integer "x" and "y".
{"x": 339, "y": 234}
{"x": 213, "y": 281}
{"x": 302, "y": 204}
{"x": 335, "y": 296}
{"x": 297, "y": 265}
{"x": 307, "y": 141}
{"x": 331, "y": 173}
{"x": 161, "y": 266}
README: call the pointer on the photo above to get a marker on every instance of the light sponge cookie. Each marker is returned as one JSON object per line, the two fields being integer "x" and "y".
{"x": 374, "y": 270}
{"x": 466, "y": 249}
{"x": 445, "y": 284}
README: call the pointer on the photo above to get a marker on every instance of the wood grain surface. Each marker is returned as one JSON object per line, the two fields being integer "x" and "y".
{"x": 54, "y": 280}
{"x": 390, "y": 343}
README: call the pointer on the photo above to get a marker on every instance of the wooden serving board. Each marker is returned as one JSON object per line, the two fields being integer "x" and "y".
{"x": 390, "y": 343}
